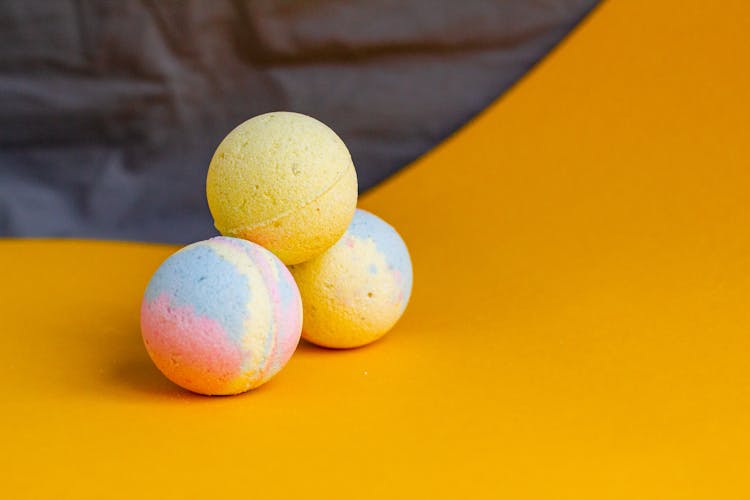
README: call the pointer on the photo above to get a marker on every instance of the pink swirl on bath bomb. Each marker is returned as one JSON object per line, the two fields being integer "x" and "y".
{"x": 287, "y": 308}
{"x": 191, "y": 350}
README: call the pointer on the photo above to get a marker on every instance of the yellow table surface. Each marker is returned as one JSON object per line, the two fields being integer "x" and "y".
{"x": 580, "y": 324}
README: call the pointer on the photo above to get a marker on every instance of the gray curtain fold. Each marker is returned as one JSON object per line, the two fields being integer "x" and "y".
{"x": 110, "y": 111}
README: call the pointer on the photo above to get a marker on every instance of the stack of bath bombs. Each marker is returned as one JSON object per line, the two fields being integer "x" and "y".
{"x": 296, "y": 258}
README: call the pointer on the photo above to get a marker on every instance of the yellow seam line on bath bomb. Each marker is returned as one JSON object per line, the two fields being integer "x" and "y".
{"x": 270, "y": 221}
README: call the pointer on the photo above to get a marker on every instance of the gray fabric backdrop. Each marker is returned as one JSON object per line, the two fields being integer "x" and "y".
{"x": 110, "y": 111}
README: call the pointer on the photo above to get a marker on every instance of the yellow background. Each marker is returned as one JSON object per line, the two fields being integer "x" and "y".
{"x": 579, "y": 326}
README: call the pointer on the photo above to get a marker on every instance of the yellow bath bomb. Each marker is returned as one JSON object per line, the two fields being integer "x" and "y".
{"x": 285, "y": 181}
{"x": 357, "y": 290}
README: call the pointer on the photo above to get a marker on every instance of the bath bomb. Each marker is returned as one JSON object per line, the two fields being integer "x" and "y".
{"x": 356, "y": 291}
{"x": 285, "y": 181}
{"x": 221, "y": 316}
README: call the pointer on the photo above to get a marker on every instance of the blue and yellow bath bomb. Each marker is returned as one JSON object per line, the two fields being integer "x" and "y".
{"x": 285, "y": 181}
{"x": 357, "y": 290}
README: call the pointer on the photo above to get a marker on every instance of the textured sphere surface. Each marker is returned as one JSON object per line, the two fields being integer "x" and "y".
{"x": 356, "y": 291}
{"x": 285, "y": 181}
{"x": 221, "y": 316}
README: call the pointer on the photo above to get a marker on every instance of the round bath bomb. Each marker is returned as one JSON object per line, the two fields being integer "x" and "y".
{"x": 285, "y": 181}
{"x": 356, "y": 291}
{"x": 221, "y": 316}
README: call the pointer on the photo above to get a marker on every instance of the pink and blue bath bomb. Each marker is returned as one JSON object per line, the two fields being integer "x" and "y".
{"x": 221, "y": 316}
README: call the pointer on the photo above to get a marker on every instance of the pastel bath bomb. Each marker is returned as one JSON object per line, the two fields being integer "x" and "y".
{"x": 221, "y": 316}
{"x": 356, "y": 291}
{"x": 285, "y": 181}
